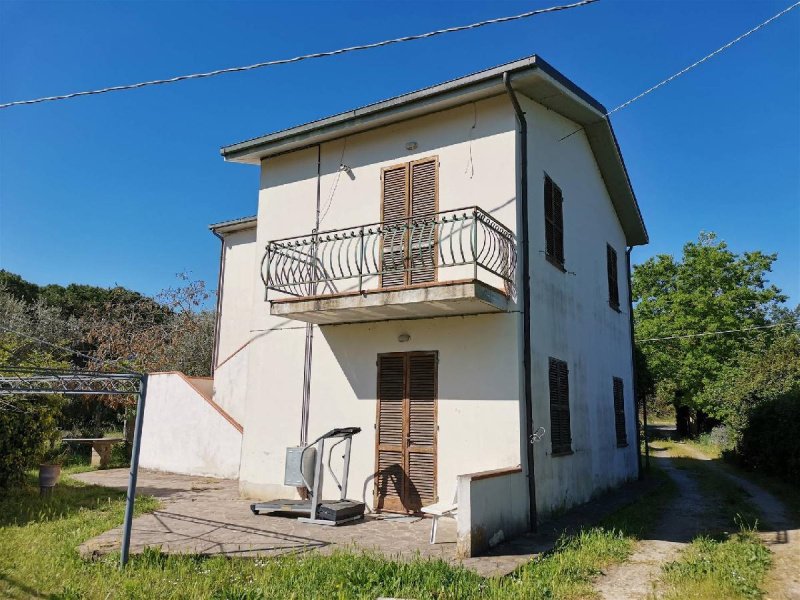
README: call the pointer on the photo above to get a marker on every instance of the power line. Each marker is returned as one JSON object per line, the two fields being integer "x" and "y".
{"x": 690, "y": 67}
{"x": 283, "y": 61}
{"x": 693, "y": 335}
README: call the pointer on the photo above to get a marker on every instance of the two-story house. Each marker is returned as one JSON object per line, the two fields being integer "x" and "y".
{"x": 446, "y": 270}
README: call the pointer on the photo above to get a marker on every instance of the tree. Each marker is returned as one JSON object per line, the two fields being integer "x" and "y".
{"x": 28, "y": 421}
{"x": 710, "y": 289}
{"x": 168, "y": 334}
{"x": 768, "y": 371}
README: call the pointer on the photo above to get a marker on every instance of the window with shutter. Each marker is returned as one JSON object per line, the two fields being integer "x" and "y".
{"x": 553, "y": 223}
{"x": 619, "y": 412}
{"x": 405, "y": 479}
{"x": 422, "y": 211}
{"x": 560, "y": 433}
{"x": 394, "y": 209}
{"x": 409, "y": 203}
{"x": 613, "y": 285}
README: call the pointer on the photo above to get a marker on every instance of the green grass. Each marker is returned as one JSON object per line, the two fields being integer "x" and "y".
{"x": 733, "y": 503}
{"x": 788, "y": 494}
{"x": 705, "y": 444}
{"x": 568, "y": 571}
{"x": 710, "y": 569}
{"x": 38, "y": 558}
{"x": 719, "y": 565}
{"x": 634, "y": 520}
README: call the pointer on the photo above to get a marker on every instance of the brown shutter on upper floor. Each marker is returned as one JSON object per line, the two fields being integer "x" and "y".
{"x": 613, "y": 284}
{"x": 619, "y": 412}
{"x": 548, "y": 217}
{"x": 553, "y": 221}
{"x": 394, "y": 209}
{"x": 558, "y": 224}
{"x": 424, "y": 183}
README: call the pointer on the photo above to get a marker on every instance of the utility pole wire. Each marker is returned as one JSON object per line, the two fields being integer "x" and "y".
{"x": 283, "y": 61}
{"x": 690, "y": 67}
{"x": 693, "y": 335}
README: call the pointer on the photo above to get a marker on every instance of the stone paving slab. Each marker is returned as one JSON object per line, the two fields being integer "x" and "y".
{"x": 206, "y": 516}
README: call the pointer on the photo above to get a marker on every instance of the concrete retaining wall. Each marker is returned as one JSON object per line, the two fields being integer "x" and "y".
{"x": 184, "y": 431}
{"x": 492, "y": 508}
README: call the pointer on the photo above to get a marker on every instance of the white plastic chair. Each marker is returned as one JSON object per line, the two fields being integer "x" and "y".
{"x": 441, "y": 509}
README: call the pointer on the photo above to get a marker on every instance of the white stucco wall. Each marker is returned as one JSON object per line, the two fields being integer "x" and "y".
{"x": 183, "y": 433}
{"x": 572, "y": 320}
{"x": 239, "y": 280}
{"x": 492, "y": 508}
{"x": 478, "y": 376}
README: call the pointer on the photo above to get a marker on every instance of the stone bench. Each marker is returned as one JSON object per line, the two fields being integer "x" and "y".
{"x": 101, "y": 448}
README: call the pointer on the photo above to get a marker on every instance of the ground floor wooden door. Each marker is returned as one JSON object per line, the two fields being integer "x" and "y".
{"x": 405, "y": 469}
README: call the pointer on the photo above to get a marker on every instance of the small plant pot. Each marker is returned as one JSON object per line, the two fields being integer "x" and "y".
{"x": 48, "y": 477}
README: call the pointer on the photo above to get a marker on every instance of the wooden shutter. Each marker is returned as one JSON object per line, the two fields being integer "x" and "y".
{"x": 560, "y": 433}
{"x": 390, "y": 476}
{"x": 553, "y": 221}
{"x": 424, "y": 182}
{"x": 619, "y": 412}
{"x": 421, "y": 430}
{"x": 548, "y": 217}
{"x": 613, "y": 285}
{"x": 394, "y": 209}
{"x": 405, "y": 479}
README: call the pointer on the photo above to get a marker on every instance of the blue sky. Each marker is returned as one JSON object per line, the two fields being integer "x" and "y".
{"x": 120, "y": 188}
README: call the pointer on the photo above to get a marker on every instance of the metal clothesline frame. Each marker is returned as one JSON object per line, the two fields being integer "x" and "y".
{"x": 21, "y": 380}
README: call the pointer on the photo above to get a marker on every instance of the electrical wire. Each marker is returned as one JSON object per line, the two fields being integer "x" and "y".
{"x": 334, "y": 185}
{"x": 689, "y": 68}
{"x": 284, "y": 61}
{"x": 707, "y": 333}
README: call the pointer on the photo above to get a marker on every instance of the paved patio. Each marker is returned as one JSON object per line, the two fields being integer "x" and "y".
{"x": 201, "y": 515}
{"x": 206, "y": 516}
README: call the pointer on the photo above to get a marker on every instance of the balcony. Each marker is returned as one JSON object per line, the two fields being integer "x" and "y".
{"x": 455, "y": 262}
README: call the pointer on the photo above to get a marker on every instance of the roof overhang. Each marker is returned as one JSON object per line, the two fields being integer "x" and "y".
{"x": 226, "y": 227}
{"x": 530, "y": 76}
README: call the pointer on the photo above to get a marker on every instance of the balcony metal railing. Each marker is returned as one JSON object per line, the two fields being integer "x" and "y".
{"x": 391, "y": 254}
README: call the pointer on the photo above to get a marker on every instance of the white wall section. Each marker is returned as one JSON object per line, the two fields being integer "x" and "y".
{"x": 183, "y": 432}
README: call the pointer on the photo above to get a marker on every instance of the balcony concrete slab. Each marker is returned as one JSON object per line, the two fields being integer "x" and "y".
{"x": 440, "y": 299}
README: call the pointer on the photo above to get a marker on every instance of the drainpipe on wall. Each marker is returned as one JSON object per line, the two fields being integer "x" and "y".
{"x": 309, "y": 347}
{"x": 633, "y": 367}
{"x": 215, "y": 354}
{"x": 522, "y": 138}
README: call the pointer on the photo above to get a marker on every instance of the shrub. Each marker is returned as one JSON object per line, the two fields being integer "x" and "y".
{"x": 771, "y": 440}
{"x": 26, "y": 424}
{"x": 721, "y": 436}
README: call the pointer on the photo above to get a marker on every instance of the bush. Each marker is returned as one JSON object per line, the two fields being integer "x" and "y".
{"x": 771, "y": 440}
{"x": 27, "y": 423}
{"x": 721, "y": 436}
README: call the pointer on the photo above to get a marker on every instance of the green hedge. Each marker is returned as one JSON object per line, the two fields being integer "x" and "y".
{"x": 26, "y": 423}
{"x": 771, "y": 440}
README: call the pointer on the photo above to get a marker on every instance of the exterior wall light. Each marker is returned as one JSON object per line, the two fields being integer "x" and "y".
{"x": 411, "y": 146}
{"x": 403, "y": 337}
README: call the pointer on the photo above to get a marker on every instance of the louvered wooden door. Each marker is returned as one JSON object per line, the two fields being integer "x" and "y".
{"x": 406, "y": 431}
{"x": 408, "y": 205}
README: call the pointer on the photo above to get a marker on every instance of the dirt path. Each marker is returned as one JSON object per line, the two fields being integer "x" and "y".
{"x": 691, "y": 513}
{"x": 781, "y": 535}
{"x": 680, "y": 522}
